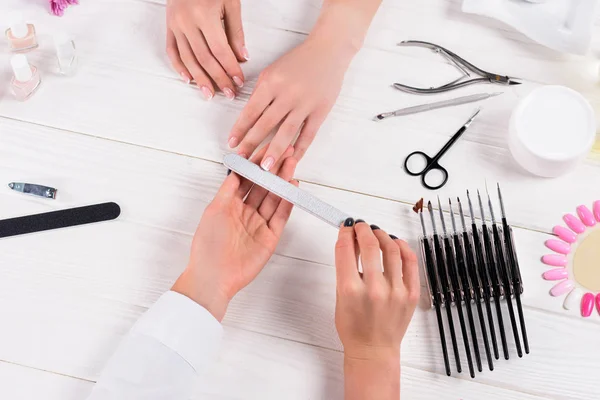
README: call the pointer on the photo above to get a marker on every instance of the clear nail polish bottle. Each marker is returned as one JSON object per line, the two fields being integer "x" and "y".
{"x": 21, "y": 36}
{"x": 26, "y": 79}
{"x": 66, "y": 54}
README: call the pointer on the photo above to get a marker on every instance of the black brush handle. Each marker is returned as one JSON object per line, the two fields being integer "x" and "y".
{"x": 502, "y": 268}
{"x": 485, "y": 285}
{"x": 466, "y": 284}
{"x": 491, "y": 266}
{"x": 439, "y": 256}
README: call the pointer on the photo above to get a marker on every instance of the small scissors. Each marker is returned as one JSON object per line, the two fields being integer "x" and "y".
{"x": 431, "y": 163}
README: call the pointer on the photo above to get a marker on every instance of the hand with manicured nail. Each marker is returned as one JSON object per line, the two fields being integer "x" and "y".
{"x": 295, "y": 94}
{"x": 236, "y": 237}
{"x": 373, "y": 310}
{"x": 205, "y": 43}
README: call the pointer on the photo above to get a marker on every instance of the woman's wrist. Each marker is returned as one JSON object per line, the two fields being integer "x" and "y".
{"x": 208, "y": 296}
{"x": 373, "y": 378}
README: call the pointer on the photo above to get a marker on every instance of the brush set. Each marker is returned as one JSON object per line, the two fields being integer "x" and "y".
{"x": 473, "y": 268}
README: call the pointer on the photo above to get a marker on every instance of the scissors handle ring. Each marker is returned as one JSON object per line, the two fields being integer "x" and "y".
{"x": 426, "y": 168}
{"x": 434, "y": 167}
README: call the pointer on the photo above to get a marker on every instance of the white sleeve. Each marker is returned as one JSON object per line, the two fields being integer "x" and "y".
{"x": 160, "y": 358}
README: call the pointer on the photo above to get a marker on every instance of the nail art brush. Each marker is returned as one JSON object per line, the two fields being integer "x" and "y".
{"x": 458, "y": 298}
{"x": 514, "y": 270}
{"x": 442, "y": 273}
{"x": 484, "y": 276}
{"x": 437, "y": 294}
{"x": 466, "y": 285}
{"x": 502, "y": 269}
{"x": 475, "y": 283}
{"x": 495, "y": 281}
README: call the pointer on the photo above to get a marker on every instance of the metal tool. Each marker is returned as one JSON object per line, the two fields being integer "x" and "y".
{"x": 483, "y": 276}
{"x": 437, "y": 105}
{"x": 458, "y": 298}
{"x": 432, "y": 163}
{"x": 34, "y": 190}
{"x": 466, "y": 286}
{"x": 285, "y": 190}
{"x": 514, "y": 274}
{"x": 494, "y": 277}
{"x": 436, "y": 293}
{"x": 465, "y": 67}
{"x": 475, "y": 284}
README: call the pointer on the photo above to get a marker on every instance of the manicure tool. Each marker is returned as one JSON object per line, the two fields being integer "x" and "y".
{"x": 431, "y": 163}
{"x": 504, "y": 279}
{"x": 466, "y": 286}
{"x": 59, "y": 219}
{"x": 443, "y": 274}
{"x": 458, "y": 298}
{"x": 434, "y": 106}
{"x": 285, "y": 190}
{"x": 494, "y": 279}
{"x": 484, "y": 276}
{"x": 437, "y": 294}
{"x": 35, "y": 190}
{"x": 465, "y": 67}
{"x": 514, "y": 270}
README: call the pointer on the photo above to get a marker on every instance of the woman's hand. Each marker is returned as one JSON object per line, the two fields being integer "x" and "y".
{"x": 373, "y": 310}
{"x": 202, "y": 49}
{"x": 235, "y": 239}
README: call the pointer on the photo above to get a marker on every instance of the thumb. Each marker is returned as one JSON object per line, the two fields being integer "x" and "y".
{"x": 235, "y": 30}
{"x": 229, "y": 188}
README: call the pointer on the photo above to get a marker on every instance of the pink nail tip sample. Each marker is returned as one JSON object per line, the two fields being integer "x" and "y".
{"x": 555, "y": 260}
{"x": 574, "y": 223}
{"x": 586, "y": 216}
{"x": 558, "y": 246}
{"x": 556, "y": 274}
{"x": 587, "y": 305}
{"x": 565, "y": 234}
{"x": 597, "y": 210}
{"x": 598, "y": 302}
{"x": 561, "y": 288}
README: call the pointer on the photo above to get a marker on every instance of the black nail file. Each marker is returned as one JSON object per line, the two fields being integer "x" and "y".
{"x": 59, "y": 219}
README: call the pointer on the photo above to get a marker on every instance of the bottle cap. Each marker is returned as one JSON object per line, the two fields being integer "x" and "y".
{"x": 18, "y": 27}
{"x": 21, "y": 68}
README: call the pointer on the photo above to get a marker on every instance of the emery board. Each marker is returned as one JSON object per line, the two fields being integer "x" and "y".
{"x": 59, "y": 219}
{"x": 285, "y": 190}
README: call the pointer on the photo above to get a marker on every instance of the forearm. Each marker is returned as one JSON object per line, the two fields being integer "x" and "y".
{"x": 372, "y": 379}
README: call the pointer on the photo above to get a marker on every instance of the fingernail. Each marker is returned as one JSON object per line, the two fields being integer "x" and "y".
{"x": 229, "y": 93}
{"x": 573, "y": 299}
{"x": 228, "y": 172}
{"x": 558, "y": 246}
{"x": 243, "y": 155}
{"x": 349, "y": 222}
{"x": 208, "y": 94}
{"x": 374, "y": 227}
{"x": 245, "y": 53}
{"x": 267, "y": 163}
{"x": 555, "y": 260}
{"x": 565, "y": 234}
{"x": 574, "y": 223}
{"x": 598, "y": 302}
{"x": 233, "y": 142}
{"x": 597, "y": 210}
{"x": 556, "y": 274}
{"x": 587, "y": 305}
{"x": 238, "y": 81}
{"x": 561, "y": 288}
{"x": 185, "y": 78}
{"x": 358, "y": 221}
{"x": 586, "y": 216}
{"x": 394, "y": 237}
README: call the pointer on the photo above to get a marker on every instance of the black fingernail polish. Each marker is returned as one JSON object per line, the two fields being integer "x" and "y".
{"x": 374, "y": 227}
{"x": 358, "y": 221}
{"x": 393, "y": 237}
{"x": 228, "y": 172}
{"x": 349, "y": 222}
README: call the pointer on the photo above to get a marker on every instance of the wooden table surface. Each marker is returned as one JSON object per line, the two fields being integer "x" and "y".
{"x": 126, "y": 129}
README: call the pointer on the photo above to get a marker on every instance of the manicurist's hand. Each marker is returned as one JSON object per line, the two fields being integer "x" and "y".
{"x": 205, "y": 42}
{"x": 373, "y": 309}
{"x": 236, "y": 237}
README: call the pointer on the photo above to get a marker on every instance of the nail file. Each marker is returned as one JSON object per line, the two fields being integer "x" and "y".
{"x": 285, "y": 190}
{"x": 59, "y": 219}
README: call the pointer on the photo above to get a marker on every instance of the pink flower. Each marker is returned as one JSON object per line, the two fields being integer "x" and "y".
{"x": 58, "y": 6}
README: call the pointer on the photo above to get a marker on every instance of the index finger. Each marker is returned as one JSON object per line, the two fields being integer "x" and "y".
{"x": 410, "y": 267}
{"x": 346, "y": 259}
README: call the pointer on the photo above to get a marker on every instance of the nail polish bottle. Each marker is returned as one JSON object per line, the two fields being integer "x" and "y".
{"x": 26, "y": 79}
{"x": 21, "y": 36}
{"x": 66, "y": 54}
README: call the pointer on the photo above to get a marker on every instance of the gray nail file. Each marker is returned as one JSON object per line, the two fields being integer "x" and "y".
{"x": 285, "y": 190}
